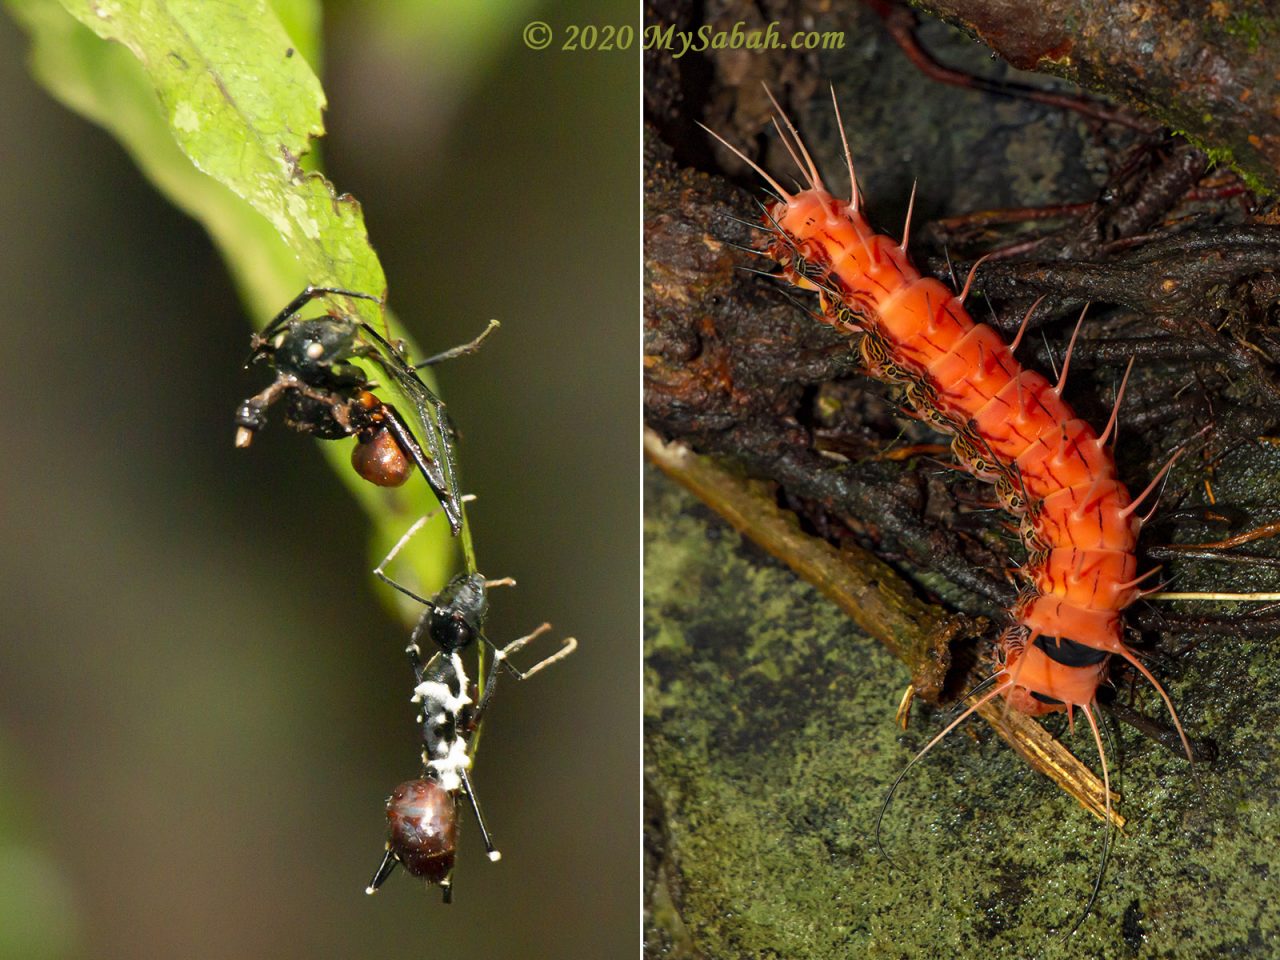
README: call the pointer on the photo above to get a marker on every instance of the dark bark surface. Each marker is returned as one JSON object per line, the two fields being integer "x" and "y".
{"x": 1209, "y": 69}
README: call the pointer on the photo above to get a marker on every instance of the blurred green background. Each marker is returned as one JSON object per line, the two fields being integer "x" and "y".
{"x": 203, "y": 702}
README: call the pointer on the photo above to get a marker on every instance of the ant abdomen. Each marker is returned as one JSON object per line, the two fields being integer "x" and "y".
{"x": 422, "y": 829}
{"x": 380, "y": 460}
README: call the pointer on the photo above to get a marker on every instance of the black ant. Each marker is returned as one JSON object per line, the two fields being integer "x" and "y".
{"x": 422, "y": 813}
{"x": 324, "y": 393}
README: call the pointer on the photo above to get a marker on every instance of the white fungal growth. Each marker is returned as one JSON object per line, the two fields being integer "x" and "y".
{"x": 449, "y": 768}
{"x": 436, "y": 693}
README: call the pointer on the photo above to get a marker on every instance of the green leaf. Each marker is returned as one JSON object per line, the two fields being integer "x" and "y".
{"x": 242, "y": 104}
{"x": 39, "y": 919}
{"x": 218, "y": 104}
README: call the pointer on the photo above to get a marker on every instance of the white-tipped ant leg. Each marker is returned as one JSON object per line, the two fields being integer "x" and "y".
{"x": 486, "y": 838}
{"x": 380, "y": 875}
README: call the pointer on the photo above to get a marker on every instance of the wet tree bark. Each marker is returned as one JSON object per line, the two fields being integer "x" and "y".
{"x": 770, "y": 741}
{"x": 1206, "y": 69}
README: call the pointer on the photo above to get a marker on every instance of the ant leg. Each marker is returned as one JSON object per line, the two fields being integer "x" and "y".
{"x": 504, "y": 582}
{"x": 569, "y": 645}
{"x": 462, "y": 350}
{"x": 490, "y": 850}
{"x": 441, "y": 440}
{"x": 438, "y": 470}
{"x": 490, "y": 684}
{"x": 252, "y": 414}
{"x": 380, "y": 570}
{"x": 500, "y": 655}
{"x": 306, "y": 296}
{"x": 380, "y": 875}
{"x": 442, "y": 445}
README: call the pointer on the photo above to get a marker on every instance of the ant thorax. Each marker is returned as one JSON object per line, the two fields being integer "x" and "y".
{"x": 444, "y": 697}
{"x": 317, "y": 352}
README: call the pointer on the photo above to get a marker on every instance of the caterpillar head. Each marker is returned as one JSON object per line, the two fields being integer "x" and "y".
{"x": 1051, "y": 674}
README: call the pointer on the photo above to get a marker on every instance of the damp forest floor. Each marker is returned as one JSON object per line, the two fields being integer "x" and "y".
{"x": 770, "y": 744}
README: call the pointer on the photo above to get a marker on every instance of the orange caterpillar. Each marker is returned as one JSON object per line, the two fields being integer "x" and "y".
{"x": 1010, "y": 427}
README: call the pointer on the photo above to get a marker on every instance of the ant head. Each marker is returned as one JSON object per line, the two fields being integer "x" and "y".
{"x": 422, "y": 829}
{"x": 458, "y": 612}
